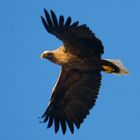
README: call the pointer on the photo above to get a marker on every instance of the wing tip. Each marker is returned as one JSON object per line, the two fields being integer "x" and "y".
{"x": 45, "y": 10}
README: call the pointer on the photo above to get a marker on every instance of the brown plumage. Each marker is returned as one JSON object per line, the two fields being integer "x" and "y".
{"x": 78, "y": 85}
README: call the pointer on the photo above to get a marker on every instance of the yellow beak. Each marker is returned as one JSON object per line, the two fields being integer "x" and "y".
{"x": 43, "y": 55}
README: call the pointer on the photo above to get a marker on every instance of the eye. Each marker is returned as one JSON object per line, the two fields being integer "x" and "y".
{"x": 49, "y": 53}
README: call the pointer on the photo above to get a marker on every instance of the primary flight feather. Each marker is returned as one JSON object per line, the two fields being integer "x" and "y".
{"x": 78, "y": 85}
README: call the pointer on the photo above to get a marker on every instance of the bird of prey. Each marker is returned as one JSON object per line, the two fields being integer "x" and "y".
{"x": 81, "y": 64}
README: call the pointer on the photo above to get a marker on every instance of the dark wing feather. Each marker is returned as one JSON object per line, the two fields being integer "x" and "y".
{"x": 55, "y": 21}
{"x": 50, "y": 120}
{"x": 61, "y": 23}
{"x": 72, "y": 98}
{"x": 48, "y": 19}
{"x": 78, "y": 37}
{"x": 56, "y": 122}
{"x": 68, "y": 21}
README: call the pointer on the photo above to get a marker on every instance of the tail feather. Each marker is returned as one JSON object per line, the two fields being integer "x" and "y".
{"x": 118, "y": 63}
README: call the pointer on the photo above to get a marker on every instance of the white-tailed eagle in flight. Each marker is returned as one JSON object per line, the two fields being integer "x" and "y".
{"x": 78, "y": 85}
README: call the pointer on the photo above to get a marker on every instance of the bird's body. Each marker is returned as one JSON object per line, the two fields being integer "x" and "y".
{"x": 78, "y": 85}
{"x": 67, "y": 59}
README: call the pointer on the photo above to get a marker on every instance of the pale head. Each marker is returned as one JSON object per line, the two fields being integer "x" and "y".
{"x": 50, "y": 55}
{"x": 59, "y": 56}
{"x": 47, "y": 55}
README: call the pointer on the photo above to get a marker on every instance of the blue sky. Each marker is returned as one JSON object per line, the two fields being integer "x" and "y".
{"x": 26, "y": 80}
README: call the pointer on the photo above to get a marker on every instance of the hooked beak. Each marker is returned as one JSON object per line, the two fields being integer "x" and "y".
{"x": 43, "y": 55}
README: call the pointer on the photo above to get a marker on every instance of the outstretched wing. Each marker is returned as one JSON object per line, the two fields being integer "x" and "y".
{"x": 77, "y": 36}
{"x": 72, "y": 98}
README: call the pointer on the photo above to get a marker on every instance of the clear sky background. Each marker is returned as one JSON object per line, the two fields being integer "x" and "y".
{"x": 26, "y": 81}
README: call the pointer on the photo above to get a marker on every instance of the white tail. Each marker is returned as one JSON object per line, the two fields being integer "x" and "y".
{"x": 119, "y": 63}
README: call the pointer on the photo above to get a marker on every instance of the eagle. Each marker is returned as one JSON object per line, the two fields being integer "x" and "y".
{"x": 80, "y": 58}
